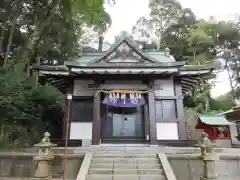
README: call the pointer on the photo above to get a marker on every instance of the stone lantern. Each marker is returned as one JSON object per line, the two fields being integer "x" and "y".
{"x": 44, "y": 157}
{"x": 167, "y": 52}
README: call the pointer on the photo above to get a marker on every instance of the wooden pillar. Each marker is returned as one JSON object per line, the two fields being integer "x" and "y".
{"x": 96, "y": 124}
{"x": 182, "y": 129}
{"x": 238, "y": 128}
{"x": 152, "y": 119}
{"x": 146, "y": 120}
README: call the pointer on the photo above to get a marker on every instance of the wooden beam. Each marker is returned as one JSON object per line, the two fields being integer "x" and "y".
{"x": 186, "y": 86}
{"x": 185, "y": 89}
{"x": 189, "y": 79}
{"x": 188, "y": 83}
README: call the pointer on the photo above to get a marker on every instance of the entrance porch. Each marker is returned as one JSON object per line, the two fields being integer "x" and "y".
{"x": 122, "y": 123}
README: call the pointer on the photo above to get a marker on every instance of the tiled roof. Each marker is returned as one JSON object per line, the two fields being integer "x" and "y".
{"x": 214, "y": 120}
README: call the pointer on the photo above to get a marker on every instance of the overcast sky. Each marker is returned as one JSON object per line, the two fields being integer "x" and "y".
{"x": 126, "y": 12}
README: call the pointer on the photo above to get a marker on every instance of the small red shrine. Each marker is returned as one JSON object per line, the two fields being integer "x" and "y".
{"x": 217, "y": 128}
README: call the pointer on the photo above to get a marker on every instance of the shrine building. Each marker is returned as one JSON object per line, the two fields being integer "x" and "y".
{"x": 125, "y": 94}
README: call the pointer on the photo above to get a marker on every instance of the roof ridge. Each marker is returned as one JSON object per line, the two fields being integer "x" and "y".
{"x": 131, "y": 44}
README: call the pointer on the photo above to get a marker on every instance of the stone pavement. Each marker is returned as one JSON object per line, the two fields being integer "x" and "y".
{"x": 27, "y": 178}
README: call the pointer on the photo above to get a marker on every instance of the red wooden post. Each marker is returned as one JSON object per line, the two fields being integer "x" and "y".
{"x": 69, "y": 98}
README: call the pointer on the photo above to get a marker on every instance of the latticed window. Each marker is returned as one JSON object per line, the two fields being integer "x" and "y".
{"x": 165, "y": 109}
{"x": 82, "y": 110}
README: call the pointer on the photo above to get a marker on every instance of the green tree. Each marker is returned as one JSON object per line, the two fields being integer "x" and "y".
{"x": 163, "y": 14}
{"x": 228, "y": 54}
{"x": 24, "y": 109}
{"x": 101, "y": 25}
{"x": 190, "y": 39}
{"x": 175, "y": 36}
{"x": 42, "y": 32}
{"x": 199, "y": 41}
{"x": 43, "y": 14}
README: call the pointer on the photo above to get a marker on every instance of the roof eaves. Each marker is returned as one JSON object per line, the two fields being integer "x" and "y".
{"x": 50, "y": 68}
{"x": 214, "y": 120}
{"x": 108, "y": 65}
{"x": 196, "y": 67}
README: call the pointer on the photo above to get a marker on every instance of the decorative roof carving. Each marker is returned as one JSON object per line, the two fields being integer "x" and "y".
{"x": 125, "y": 54}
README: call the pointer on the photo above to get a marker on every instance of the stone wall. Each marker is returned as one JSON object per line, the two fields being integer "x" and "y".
{"x": 22, "y": 165}
{"x": 189, "y": 167}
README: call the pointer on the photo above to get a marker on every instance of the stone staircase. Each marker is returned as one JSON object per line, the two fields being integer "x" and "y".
{"x": 125, "y": 166}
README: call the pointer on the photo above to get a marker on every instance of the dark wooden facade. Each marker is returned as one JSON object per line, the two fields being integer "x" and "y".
{"x": 162, "y": 81}
{"x": 150, "y": 112}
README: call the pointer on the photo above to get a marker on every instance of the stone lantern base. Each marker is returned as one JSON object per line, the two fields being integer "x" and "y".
{"x": 203, "y": 178}
{"x": 209, "y": 172}
{"x": 43, "y": 171}
{"x": 44, "y": 158}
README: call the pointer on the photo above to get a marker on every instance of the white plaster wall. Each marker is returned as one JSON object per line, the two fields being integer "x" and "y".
{"x": 167, "y": 131}
{"x": 164, "y": 87}
{"x": 81, "y": 88}
{"x": 81, "y": 130}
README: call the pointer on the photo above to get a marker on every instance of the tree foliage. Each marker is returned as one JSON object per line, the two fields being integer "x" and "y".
{"x": 193, "y": 40}
{"x": 24, "y": 108}
{"x": 41, "y": 32}
{"x": 33, "y": 30}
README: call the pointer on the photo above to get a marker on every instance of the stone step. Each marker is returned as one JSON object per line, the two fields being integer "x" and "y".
{"x": 123, "y": 158}
{"x": 125, "y": 155}
{"x": 126, "y": 160}
{"x": 146, "y": 151}
{"x": 103, "y": 165}
{"x": 121, "y": 148}
{"x": 127, "y": 152}
{"x": 125, "y": 177}
{"x": 126, "y": 165}
{"x": 124, "y": 171}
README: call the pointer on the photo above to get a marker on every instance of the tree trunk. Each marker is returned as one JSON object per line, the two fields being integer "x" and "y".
{"x": 206, "y": 103}
{"x": 194, "y": 55}
{"x": 231, "y": 85}
{"x": 100, "y": 43}
{"x": 5, "y": 63}
{"x": 2, "y": 38}
{"x": 25, "y": 57}
{"x": 2, "y": 129}
{"x": 36, "y": 73}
